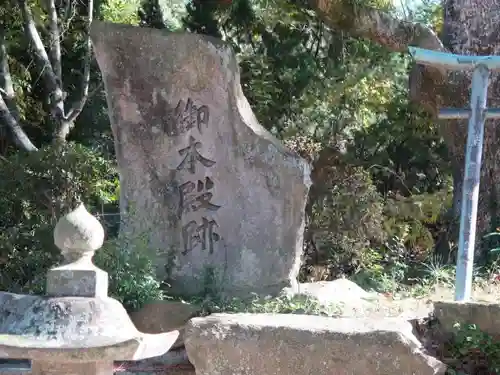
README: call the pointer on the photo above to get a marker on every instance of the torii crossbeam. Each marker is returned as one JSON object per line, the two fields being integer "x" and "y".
{"x": 477, "y": 115}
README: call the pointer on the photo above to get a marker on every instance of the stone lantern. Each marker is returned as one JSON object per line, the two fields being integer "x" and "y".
{"x": 76, "y": 328}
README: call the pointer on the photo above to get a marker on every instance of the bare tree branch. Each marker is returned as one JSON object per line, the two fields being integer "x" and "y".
{"x": 54, "y": 40}
{"x": 8, "y": 107}
{"x": 68, "y": 10}
{"x": 51, "y": 65}
{"x": 20, "y": 137}
{"x": 51, "y": 82}
{"x": 77, "y": 107}
{"x": 5, "y": 77}
{"x": 375, "y": 25}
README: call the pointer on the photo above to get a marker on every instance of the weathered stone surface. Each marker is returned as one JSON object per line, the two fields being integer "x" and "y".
{"x": 220, "y": 199}
{"x": 485, "y": 315}
{"x": 78, "y": 235}
{"x": 344, "y": 296}
{"x": 335, "y": 291}
{"x": 59, "y": 328}
{"x": 165, "y": 316}
{"x": 252, "y": 344}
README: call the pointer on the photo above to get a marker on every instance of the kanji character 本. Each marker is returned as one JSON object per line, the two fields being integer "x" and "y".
{"x": 204, "y": 235}
{"x": 191, "y": 156}
{"x": 196, "y": 196}
{"x": 186, "y": 116}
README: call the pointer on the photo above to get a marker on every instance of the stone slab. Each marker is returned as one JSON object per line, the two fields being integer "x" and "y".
{"x": 483, "y": 314}
{"x": 252, "y": 344}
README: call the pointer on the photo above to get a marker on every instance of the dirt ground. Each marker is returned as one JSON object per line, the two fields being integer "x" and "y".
{"x": 411, "y": 308}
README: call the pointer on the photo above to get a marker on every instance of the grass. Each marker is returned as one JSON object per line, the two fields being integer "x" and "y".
{"x": 409, "y": 302}
{"x": 389, "y": 298}
{"x": 278, "y": 305}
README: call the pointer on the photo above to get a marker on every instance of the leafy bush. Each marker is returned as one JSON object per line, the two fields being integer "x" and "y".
{"x": 417, "y": 219}
{"x": 473, "y": 351}
{"x": 132, "y": 275}
{"x": 393, "y": 268}
{"x": 345, "y": 219}
{"x": 35, "y": 190}
{"x": 407, "y": 256}
{"x": 382, "y": 269}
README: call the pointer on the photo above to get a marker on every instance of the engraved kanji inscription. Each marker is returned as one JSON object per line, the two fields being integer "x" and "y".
{"x": 192, "y": 156}
{"x": 186, "y": 116}
{"x": 204, "y": 235}
{"x": 196, "y": 196}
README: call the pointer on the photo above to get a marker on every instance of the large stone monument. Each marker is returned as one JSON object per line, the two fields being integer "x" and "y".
{"x": 76, "y": 329}
{"x": 219, "y": 199}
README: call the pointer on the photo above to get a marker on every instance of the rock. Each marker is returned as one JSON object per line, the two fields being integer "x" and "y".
{"x": 164, "y": 316}
{"x": 245, "y": 344}
{"x": 220, "y": 199}
{"x": 345, "y": 296}
{"x": 483, "y": 314}
{"x": 336, "y": 291}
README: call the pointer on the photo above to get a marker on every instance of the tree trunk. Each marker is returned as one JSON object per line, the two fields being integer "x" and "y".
{"x": 49, "y": 64}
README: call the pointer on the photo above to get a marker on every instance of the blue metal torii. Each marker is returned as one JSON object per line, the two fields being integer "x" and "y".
{"x": 477, "y": 115}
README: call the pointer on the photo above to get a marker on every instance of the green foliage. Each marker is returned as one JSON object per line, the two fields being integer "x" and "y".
{"x": 403, "y": 149}
{"x": 346, "y": 218}
{"x": 430, "y": 12}
{"x": 473, "y": 350}
{"x": 35, "y": 190}
{"x": 394, "y": 269}
{"x": 201, "y": 17}
{"x": 55, "y": 179}
{"x": 492, "y": 242}
{"x": 162, "y": 14}
{"x": 120, "y": 11}
{"x": 413, "y": 219}
{"x": 132, "y": 275}
{"x": 384, "y": 269}
{"x": 151, "y": 14}
{"x": 435, "y": 272}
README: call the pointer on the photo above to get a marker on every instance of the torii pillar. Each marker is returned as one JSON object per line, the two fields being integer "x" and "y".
{"x": 477, "y": 115}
